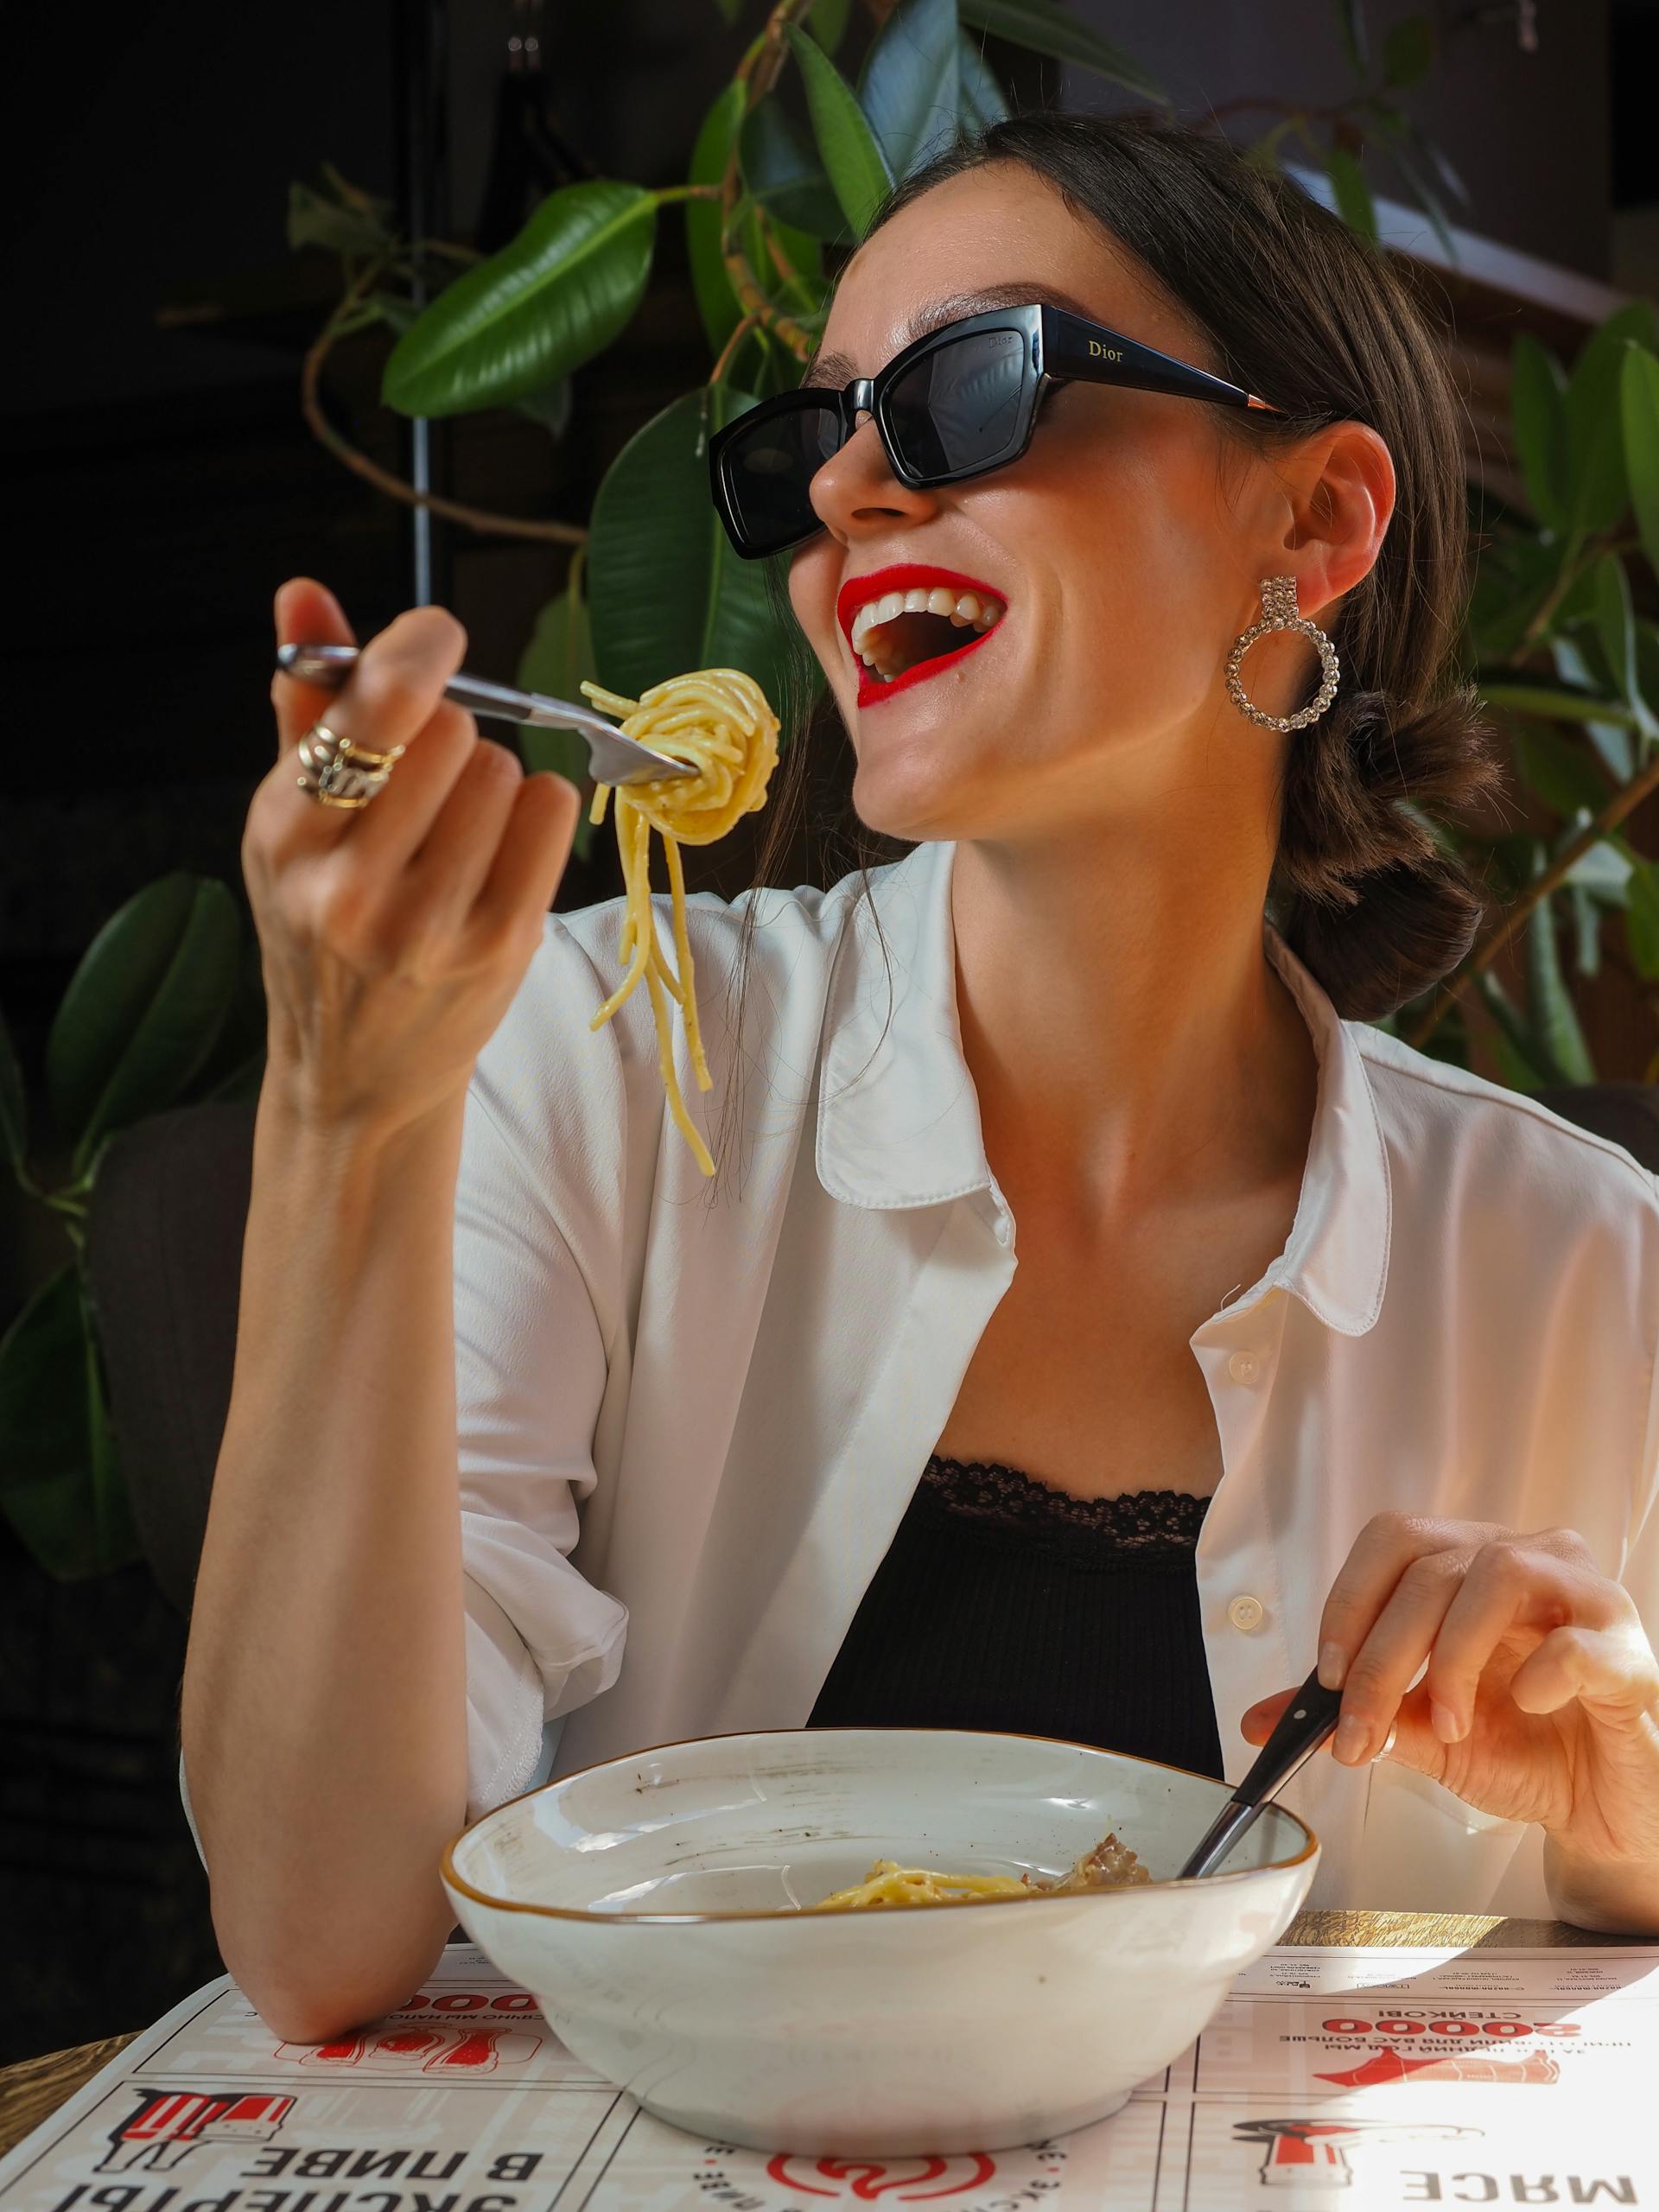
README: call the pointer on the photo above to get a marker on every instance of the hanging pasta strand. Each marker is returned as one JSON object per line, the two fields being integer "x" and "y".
{"x": 719, "y": 720}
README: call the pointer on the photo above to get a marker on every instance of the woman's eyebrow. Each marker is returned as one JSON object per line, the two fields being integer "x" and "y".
{"x": 837, "y": 369}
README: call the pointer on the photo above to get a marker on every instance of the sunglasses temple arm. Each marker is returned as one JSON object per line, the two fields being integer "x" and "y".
{"x": 1094, "y": 354}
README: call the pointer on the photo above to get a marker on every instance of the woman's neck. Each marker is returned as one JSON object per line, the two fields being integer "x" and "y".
{"x": 1130, "y": 1044}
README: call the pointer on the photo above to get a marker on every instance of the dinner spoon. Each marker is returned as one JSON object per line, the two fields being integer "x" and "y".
{"x": 613, "y": 758}
{"x": 1302, "y": 1727}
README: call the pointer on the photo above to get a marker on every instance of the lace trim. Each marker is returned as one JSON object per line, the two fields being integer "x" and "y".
{"x": 1142, "y": 1520}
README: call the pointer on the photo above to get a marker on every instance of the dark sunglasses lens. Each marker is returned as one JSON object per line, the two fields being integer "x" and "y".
{"x": 958, "y": 407}
{"x": 768, "y": 470}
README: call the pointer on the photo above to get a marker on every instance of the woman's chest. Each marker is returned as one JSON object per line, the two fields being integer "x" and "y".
{"x": 1085, "y": 1374}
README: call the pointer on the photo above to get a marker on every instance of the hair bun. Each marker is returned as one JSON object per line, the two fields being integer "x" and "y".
{"x": 1374, "y": 905}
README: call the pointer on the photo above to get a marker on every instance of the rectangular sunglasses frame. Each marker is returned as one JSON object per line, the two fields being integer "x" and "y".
{"x": 1059, "y": 348}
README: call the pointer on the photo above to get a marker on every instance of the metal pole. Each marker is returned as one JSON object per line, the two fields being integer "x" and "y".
{"x": 420, "y": 29}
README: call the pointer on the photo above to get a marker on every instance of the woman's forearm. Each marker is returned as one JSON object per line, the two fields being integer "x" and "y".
{"x": 324, "y": 1707}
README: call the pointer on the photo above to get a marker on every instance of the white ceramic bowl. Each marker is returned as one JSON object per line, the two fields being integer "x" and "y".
{"x": 651, "y": 1905}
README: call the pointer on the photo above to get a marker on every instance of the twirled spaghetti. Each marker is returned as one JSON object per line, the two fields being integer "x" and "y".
{"x": 1109, "y": 1865}
{"x": 719, "y": 719}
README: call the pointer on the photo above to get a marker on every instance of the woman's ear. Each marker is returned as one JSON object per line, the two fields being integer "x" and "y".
{"x": 1341, "y": 492}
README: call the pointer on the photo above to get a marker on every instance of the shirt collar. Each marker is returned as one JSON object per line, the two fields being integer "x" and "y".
{"x": 898, "y": 1116}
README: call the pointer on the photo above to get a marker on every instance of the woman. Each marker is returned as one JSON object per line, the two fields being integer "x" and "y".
{"x": 1366, "y": 1343}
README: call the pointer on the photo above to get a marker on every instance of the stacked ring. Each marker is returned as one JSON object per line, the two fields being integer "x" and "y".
{"x": 338, "y": 772}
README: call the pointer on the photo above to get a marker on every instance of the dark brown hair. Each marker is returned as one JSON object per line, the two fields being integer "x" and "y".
{"x": 1294, "y": 305}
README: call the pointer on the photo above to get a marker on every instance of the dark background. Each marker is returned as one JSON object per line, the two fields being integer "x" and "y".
{"x": 160, "y": 483}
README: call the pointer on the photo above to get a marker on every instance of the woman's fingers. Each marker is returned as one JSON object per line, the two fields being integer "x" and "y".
{"x": 1383, "y": 1549}
{"x": 1612, "y": 1668}
{"x": 307, "y": 614}
{"x": 1539, "y": 1583}
{"x": 1392, "y": 1654}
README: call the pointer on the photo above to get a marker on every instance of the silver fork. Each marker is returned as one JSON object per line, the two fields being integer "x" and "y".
{"x": 613, "y": 758}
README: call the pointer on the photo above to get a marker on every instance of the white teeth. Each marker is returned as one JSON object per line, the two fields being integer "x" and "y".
{"x": 974, "y": 609}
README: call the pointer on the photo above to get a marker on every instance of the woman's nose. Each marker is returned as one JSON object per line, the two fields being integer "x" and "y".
{"x": 855, "y": 490}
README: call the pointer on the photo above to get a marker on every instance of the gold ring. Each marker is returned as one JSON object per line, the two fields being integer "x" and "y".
{"x": 335, "y": 771}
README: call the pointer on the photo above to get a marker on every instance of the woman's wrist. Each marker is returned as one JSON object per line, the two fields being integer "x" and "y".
{"x": 1614, "y": 1897}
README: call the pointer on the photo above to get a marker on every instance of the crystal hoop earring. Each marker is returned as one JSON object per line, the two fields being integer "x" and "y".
{"x": 1279, "y": 611}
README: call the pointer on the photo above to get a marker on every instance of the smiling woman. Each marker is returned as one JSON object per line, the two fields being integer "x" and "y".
{"x": 1276, "y": 295}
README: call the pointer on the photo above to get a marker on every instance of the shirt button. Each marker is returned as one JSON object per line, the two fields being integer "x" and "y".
{"x": 1246, "y": 1614}
{"x": 1245, "y": 1367}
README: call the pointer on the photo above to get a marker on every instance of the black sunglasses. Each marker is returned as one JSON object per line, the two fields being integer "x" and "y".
{"x": 955, "y": 403}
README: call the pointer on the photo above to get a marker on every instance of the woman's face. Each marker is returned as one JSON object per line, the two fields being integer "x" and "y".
{"x": 1126, "y": 557}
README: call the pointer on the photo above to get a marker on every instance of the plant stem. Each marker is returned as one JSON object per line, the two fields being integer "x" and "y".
{"x": 561, "y": 533}
{"x": 685, "y": 192}
{"x": 1623, "y": 802}
{"x": 731, "y": 346}
{"x": 758, "y": 70}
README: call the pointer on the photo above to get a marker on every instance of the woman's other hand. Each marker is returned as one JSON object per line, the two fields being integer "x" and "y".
{"x": 1540, "y": 1700}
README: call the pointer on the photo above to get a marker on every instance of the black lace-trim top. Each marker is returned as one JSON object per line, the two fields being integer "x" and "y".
{"x": 1004, "y": 1603}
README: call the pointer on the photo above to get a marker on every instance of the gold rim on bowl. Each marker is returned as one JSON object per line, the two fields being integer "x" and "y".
{"x": 446, "y": 1863}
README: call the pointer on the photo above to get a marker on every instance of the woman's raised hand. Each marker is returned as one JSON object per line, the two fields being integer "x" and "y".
{"x": 1539, "y": 1700}
{"x": 394, "y": 937}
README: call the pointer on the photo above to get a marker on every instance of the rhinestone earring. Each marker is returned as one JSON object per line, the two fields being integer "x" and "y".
{"x": 1279, "y": 611}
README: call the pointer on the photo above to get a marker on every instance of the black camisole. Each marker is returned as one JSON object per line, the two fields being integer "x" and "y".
{"x": 1005, "y": 1603}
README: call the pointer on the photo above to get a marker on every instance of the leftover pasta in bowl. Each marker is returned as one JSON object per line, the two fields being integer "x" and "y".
{"x": 667, "y": 1911}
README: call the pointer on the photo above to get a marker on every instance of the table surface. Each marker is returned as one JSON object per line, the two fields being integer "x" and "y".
{"x": 32, "y": 2090}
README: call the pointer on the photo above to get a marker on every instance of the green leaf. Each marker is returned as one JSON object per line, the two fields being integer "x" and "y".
{"x": 1426, "y": 196}
{"x": 1554, "y": 1018}
{"x": 1611, "y": 739}
{"x": 143, "y": 1009}
{"x": 1639, "y": 406}
{"x": 314, "y": 220}
{"x": 1043, "y": 26}
{"x": 667, "y": 594}
{"x": 1514, "y": 1045}
{"x": 828, "y": 23}
{"x": 729, "y": 11}
{"x": 59, "y": 1486}
{"x": 1595, "y": 437}
{"x": 1564, "y": 775}
{"x": 1604, "y": 872}
{"x": 551, "y": 407}
{"x": 1643, "y": 890}
{"x": 1555, "y": 702}
{"x": 1350, "y": 22}
{"x": 1407, "y": 51}
{"x": 1354, "y": 202}
{"x": 854, "y": 162}
{"x": 1538, "y": 410}
{"x": 982, "y": 100}
{"x": 783, "y": 176}
{"x": 559, "y": 655}
{"x": 910, "y": 86}
{"x": 717, "y": 304}
{"x": 555, "y": 295}
{"x": 14, "y": 1103}
{"x": 1615, "y": 625}
{"x": 1586, "y": 929}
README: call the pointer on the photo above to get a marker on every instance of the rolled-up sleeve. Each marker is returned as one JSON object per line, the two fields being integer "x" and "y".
{"x": 534, "y": 1216}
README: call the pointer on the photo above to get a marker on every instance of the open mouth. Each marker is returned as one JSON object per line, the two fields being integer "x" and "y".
{"x": 924, "y": 624}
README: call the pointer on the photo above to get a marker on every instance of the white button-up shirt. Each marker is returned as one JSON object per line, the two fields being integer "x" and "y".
{"x": 740, "y": 1392}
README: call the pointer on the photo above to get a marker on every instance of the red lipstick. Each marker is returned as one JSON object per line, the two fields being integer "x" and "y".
{"x": 909, "y": 575}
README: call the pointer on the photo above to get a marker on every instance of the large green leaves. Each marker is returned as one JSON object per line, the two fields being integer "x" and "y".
{"x": 668, "y": 594}
{"x": 1594, "y": 429}
{"x": 60, "y": 1486}
{"x": 144, "y": 1010}
{"x": 1554, "y": 1021}
{"x": 1047, "y": 28}
{"x": 558, "y": 295}
{"x": 982, "y": 102}
{"x": 1639, "y": 406}
{"x": 786, "y": 179}
{"x": 1538, "y": 405}
{"x": 559, "y": 655}
{"x": 717, "y": 304}
{"x": 854, "y": 162}
{"x": 910, "y": 87}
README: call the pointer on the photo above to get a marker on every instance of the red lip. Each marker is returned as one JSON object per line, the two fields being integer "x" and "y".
{"x": 902, "y": 576}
